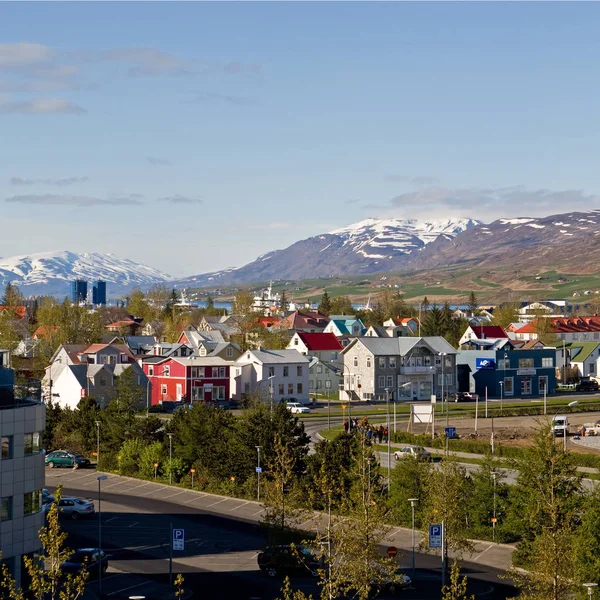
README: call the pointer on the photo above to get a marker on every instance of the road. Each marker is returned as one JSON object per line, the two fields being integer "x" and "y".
{"x": 222, "y": 541}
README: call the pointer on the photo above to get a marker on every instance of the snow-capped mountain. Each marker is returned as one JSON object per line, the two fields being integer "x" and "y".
{"x": 370, "y": 246}
{"x": 50, "y": 272}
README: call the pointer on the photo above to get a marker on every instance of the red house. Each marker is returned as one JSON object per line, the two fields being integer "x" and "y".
{"x": 203, "y": 379}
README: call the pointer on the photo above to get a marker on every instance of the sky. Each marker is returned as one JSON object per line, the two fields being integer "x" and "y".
{"x": 197, "y": 136}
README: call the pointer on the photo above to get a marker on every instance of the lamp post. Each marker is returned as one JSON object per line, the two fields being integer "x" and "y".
{"x": 148, "y": 398}
{"x": 345, "y": 369}
{"x": 413, "y": 502}
{"x": 389, "y": 451}
{"x": 328, "y": 386}
{"x": 258, "y": 473}
{"x": 170, "y": 458}
{"x": 503, "y": 380}
{"x": 155, "y": 469}
{"x": 192, "y": 471}
{"x": 270, "y": 380}
{"x": 100, "y": 478}
{"x": 494, "y": 515}
{"x": 590, "y": 588}
{"x": 443, "y": 355}
{"x": 97, "y": 443}
{"x": 501, "y": 386}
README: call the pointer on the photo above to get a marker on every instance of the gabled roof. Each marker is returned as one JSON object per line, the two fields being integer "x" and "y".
{"x": 202, "y": 361}
{"x": 121, "y": 348}
{"x": 401, "y": 345}
{"x": 316, "y": 342}
{"x": 489, "y": 331}
{"x": 304, "y": 320}
{"x": 44, "y": 331}
{"x": 531, "y": 344}
{"x": 18, "y": 311}
{"x": 579, "y": 351}
{"x": 273, "y": 356}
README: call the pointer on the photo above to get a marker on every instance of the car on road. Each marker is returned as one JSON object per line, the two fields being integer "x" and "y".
{"x": 75, "y": 508}
{"x": 95, "y": 560}
{"x": 66, "y": 458}
{"x": 460, "y": 397}
{"x": 587, "y": 385}
{"x": 276, "y": 560}
{"x": 297, "y": 408}
{"x": 412, "y": 452}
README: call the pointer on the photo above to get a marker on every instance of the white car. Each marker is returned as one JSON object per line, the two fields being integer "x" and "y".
{"x": 297, "y": 408}
{"x": 413, "y": 452}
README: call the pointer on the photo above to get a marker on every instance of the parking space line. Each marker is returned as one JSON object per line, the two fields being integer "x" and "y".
{"x": 131, "y": 587}
{"x": 111, "y": 519}
{"x": 172, "y": 495}
{"x": 114, "y": 484}
{"x": 258, "y": 513}
{"x": 196, "y": 498}
{"x": 134, "y": 524}
{"x": 240, "y": 506}
{"x": 217, "y": 502}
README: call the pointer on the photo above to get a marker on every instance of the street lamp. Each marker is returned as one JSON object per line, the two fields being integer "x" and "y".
{"x": 413, "y": 503}
{"x": 501, "y": 396}
{"x": 258, "y": 448}
{"x": 148, "y": 398}
{"x": 170, "y": 458}
{"x": 269, "y": 379}
{"x": 389, "y": 451}
{"x": 494, "y": 516}
{"x": 590, "y": 588}
{"x": 100, "y": 478}
{"x": 97, "y": 444}
{"x": 570, "y": 405}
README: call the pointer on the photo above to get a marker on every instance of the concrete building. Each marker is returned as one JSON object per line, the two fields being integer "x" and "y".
{"x": 22, "y": 422}
{"x": 78, "y": 291}
{"x": 99, "y": 293}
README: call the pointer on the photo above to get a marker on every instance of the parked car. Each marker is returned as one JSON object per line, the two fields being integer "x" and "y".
{"x": 94, "y": 558}
{"x": 66, "y": 458}
{"x": 389, "y": 582}
{"x": 283, "y": 559}
{"x": 413, "y": 452}
{"x": 47, "y": 497}
{"x": 460, "y": 397}
{"x": 587, "y": 385}
{"x": 75, "y": 508}
{"x": 296, "y": 407}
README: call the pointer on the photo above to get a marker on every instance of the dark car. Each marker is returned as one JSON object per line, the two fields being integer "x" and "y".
{"x": 588, "y": 385}
{"x": 94, "y": 558}
{"x": 284, "y": 559}
{"x": 66, "y": 458}
{"x": 460, "y": 397}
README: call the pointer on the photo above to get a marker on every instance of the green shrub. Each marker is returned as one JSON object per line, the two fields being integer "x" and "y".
{"x": 129, "y": 456}
{"x": 151, "y": 454}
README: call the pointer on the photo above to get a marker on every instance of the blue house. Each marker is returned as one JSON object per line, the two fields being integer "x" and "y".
{"x": 507, "y": 373}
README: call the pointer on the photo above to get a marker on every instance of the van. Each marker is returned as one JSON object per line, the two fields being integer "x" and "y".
{"x": 560, "y": 425}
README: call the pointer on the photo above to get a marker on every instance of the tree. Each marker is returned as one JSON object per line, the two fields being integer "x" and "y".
{"x": 473, "y": 304}
{"x": 47, "y": 579}
{"x": 587, "y": 548}
{"x": 12, "y": 296}
{"x": 505, "y": 314}
{"x": 243, "y": 308}
{"x": 325, "y": 304}
{"x": 158, "y": 296}
{"x": 408, "y": 481}
{"x": 457, "y": 588}
{"x": 341, "y": 305}
{"x": 433, "y": 322}
{"x": 138, "y": 306}
{"x": 284, "y": 304}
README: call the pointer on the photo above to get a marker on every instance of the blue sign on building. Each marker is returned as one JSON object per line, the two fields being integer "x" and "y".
{"x": 485, "y": 363}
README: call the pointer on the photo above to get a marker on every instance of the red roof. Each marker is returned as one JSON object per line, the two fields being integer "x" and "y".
{"x": 304, "y": 320}
{"x": 43, "y": 331}
{"x": 529, "y": 328}
{"x": 320, "y": 341}
{"x": 19, "y": 311}
{"x": 489, "y": 331}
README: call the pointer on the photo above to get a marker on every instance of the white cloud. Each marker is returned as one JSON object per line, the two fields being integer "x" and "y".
{"x": 68, "y": 200}
{"x": 58, "y": 182}
{"x": 179, "y": 199}
{"x": 159, "y": 162}
{"x": 40, "y": 106}
{"x": 225, "y": 99}
{"x": 23, "y": 54}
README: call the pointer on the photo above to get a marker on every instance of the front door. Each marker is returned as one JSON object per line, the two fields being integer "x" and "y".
{"x": 179, "y": 391}
{"x": 526, "y": 386}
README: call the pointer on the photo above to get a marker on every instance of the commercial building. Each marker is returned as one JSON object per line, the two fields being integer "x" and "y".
{"x": 99, "y": 293}
{"x": 78, "y": 291}
{"x": 22, "y": 422}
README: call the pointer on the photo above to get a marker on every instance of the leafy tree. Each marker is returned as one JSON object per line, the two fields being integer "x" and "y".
{"x": 151, "y": 454}
{"x": 138, "y": 306}
{"x": 587, "y": 548}
{"x": 341, "y": 305}
{"x": 130, "y": 456}
{"x": 12, "y": 296}
{"x": 48, "y": 581}
{"x": 409, "y": 480}
{"x": 505, "y": 314}
{"x": 284, "y": 304}
{"x": 10, "y": 331}
{"x": 457, "y": 588}
{"x": 243, "y": 308}
{"x": 325, "y": 304}
{"x": 158, "y": 296}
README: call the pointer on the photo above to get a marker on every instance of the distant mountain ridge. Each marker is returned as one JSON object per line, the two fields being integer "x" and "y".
{"x": 370, "y": 246}
{"x": 50, "y": 272}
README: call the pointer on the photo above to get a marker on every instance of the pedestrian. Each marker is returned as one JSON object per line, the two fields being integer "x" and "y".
{"x": 385, "y": 434}
{"x": 380, "y": 433}
{"x": 346, "y": 426}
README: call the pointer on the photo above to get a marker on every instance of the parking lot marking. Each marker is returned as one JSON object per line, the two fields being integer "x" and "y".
{"x": 131, "y": 587}
{"x": 215, "y": 503}
{"x": 196, "y": 498}
{"x": 134, "y": 524}
{"x": 175, "y": 494}
{"x": 240, "y": 506}
{"x": 258, "y": 513}
{"x": 482, "y": 553}
{"x": 111, "y": 519}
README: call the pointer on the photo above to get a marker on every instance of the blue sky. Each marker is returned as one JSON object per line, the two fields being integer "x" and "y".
{"x": 195, "y": 136}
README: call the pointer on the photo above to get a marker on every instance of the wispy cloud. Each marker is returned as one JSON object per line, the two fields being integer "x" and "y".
{"x": 24, "y": 54}
{"x": 179, "y": 199}
{"x": 413, "y": 179}
{"x": 58, "y": 182}
{"x": 158, "y": 162}
{"x": 68, "y": 200}
{"x": 352, "y": 201}
{"x": 225, "y": 99}
{"x": 487, "y": 203}
{"x": 147, "y": 61}
{"x": 40, "y": 106}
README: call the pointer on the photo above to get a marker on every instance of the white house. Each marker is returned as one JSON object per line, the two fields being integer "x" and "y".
{"x": 275, "y": 374}
{"x": 323, "y": 378}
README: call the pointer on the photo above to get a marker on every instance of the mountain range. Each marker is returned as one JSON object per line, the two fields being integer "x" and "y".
{"x": 569, "y": 241}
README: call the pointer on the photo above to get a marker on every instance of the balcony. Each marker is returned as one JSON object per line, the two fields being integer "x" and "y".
{"x": 416, "y": 370}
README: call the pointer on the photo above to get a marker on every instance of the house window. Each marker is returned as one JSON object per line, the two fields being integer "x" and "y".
{"x": 6, "y": 508}
{"x": 290, "y": 388}
{"x": 319, "y": 369}
{"x": 449, "y": 379}
{"x": 167, "y": 371}
{"x": 163, "y": 389}
{"x": 271, "y": 371}
{"x": 281, "y": 389}
{"x": 508, "y": 386}
{"x": 525, "y": 363}
{"x": 504, "y": 364}
{"x": 222, "y": 372}
{"x": 592, "y": 368}
{"x": 392, "y": 362}
{"x": 299, "y": 371}
{"x": 389, "y": 382}
{"x": 295, "y": 341}
{"x": 319, "y": 384}
{"x": 381, "y": 381}
{"x": 286, "y": 371}
{"x": 355, "y": 361}
{"x": 201, "y": 371}
{"x": 218, "y": 392}
{"x": 202, "y": 351}
{"x": 311, "y": 384}
{"x": 103, "y": 381}
{"x": 438, "y": 361}
{"x": 368, "y": 362}
{"x": 334, "y": 356}
{"x": 150, "y": 371}
{"x": 229, "y": 352}
{"x": 32, "y": 502}
{"x": 547, "y": 361}
{"x": 31, "y": 443}
{"x": 382, "y": 362}
{"x": 194, "y": 372}
{"x": 526, "y": 386}
{"x": 197, "y": 393}
{"x": 215, "y": 371}
{"x": 299, "y": 389}
{"x": 7, "y": 447}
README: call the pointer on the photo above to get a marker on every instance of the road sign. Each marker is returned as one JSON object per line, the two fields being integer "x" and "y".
{"x": 435, "y": 536}
{"x": 178, "y": 539}
{"x": 259, "y": 469}
{"x": 392, "y": 551}
{"x": 451, "y": 432}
